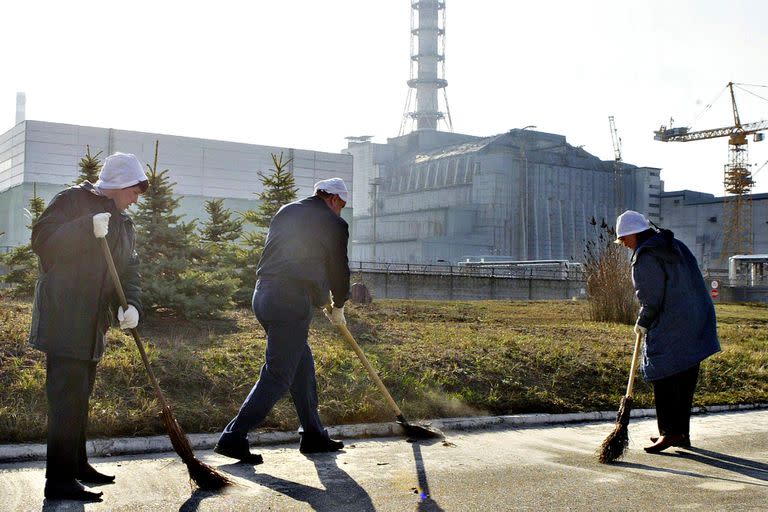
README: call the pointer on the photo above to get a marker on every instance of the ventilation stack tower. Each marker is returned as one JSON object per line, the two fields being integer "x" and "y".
{"x": 427, "y": 67}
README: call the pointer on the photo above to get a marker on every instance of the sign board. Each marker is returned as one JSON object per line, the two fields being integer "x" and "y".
{"x": 715, "y": 293}
{"x": 714, "y": 284}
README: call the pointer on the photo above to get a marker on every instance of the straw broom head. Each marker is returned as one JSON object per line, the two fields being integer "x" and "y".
{"x": 615, "y": 445}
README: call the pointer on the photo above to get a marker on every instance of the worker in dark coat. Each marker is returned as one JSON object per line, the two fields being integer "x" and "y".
{"x": 676, "y": 317}
{"x": 304, "y": 258}
{"x": 74, "y": 305}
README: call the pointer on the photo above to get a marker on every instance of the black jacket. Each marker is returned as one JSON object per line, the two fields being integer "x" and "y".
{"x": 75, "y": 299}
{"x": 307, "y": 243}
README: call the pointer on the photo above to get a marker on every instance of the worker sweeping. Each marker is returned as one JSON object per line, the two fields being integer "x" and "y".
{"x": 73, "y": 305}
{"x": 304, "y": 258}
{"x": 677, "y": 319}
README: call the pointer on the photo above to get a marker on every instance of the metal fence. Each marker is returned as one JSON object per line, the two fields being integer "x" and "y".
{"x": 502, "y": 272}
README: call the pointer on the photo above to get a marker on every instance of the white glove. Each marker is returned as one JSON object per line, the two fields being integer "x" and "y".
{"x": 101, "y": 224}
{"x": 336, "y": 316}
{"x": 639, "y": 329}
{"x": 128, "y": 318}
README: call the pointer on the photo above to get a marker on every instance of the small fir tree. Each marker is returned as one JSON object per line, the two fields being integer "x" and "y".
{"x": 220, "y": 227}
{"x": 21, "y": 261}
{"x": 279, "y": 188}
{"x": 218, "y": 236}
{"x": 90, "y": 167}
{"x": 175, "y": 280}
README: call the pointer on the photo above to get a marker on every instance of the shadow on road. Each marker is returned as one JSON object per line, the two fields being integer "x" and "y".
{"x": 62, "y": 506}
{"x": 693, "y": 474}
{"x": 193, "y": 502}
{"x": 340, "y": 491}
{"x": 746, "y": 467}
{"x": 426, "y": 503}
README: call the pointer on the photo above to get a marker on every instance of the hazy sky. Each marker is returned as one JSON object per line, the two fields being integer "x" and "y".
{"x": 307, "y": 73}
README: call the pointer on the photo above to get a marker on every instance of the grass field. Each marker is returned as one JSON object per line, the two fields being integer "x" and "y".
{"x": 438, "y": 359}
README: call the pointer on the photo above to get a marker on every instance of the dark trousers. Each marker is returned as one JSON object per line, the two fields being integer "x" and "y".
{"x": 68, "y": 387}
{"x": 284, "y": 309}
{"x": 674, "y": 399}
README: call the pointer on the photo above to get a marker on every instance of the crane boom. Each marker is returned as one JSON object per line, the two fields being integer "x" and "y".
{"x": 681, "y": 134}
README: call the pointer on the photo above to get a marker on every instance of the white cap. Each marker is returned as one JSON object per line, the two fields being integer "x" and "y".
{"x": 333, "y": 186}
{"x": 120, "y": 170}
{"x": 629, "y": 223}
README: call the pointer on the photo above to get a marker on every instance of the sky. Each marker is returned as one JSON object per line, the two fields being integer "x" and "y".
{"x": 306, "y": 74}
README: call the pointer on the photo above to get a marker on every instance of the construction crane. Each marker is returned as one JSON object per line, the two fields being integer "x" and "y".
{"x": 737, "y": 179}
{"x": 618, "y": 183}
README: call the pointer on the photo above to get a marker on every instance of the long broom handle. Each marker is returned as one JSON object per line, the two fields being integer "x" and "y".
{"x": 124, "y": 303}
{"x": 633, "y": 368}
{"x": 371, "y": 372}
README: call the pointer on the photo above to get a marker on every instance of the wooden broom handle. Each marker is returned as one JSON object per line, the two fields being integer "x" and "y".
{"x": 371, "y": 372}
{"x": 633, "y": 368}
{"x": 124, "y": 303}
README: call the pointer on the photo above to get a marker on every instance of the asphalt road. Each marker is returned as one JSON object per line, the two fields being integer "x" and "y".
{"x": 549, "y": 468}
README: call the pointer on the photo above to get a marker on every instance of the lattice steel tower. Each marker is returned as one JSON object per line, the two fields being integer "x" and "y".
{"x": 427, "y": 67}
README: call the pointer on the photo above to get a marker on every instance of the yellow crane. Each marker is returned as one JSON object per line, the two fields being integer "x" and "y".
{"x": 737, "y": 179}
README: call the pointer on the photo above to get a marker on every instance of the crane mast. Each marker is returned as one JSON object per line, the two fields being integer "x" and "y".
{"x": 618, "y": 184}
{"x": 737, "y": 177}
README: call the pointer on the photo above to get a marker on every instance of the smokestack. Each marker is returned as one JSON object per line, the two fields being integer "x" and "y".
{"x": 21, "y": 105}
{"x": 427, "y": 57}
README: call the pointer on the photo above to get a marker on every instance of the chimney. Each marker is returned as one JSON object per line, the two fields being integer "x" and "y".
{"x": 427, "y": 65}
{"x": 21, "y": 103}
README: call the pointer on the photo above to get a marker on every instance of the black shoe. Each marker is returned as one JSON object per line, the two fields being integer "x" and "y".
{"x": 241, "y": 453}
{"x": 664, "y": 442}
{"x": 684, "y": 443}
{"x": 69, "y": 490}
{"x": 91, "y": 476}
{"x": 318, "y": 442}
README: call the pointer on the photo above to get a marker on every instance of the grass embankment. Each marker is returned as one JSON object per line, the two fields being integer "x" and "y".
{"x": 438, "y": 359}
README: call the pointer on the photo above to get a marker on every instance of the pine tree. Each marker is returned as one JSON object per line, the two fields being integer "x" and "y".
{"x": 221, "y": 227}
{"x": 90, "y": 167}
{"x": 218, "y": 237}
{"x": 279, "y": 188}
{"x": 175, "y": 280}
{"x": 21, "y": 261}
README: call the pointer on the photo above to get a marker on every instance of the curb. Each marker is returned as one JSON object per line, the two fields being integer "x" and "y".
{"x": 159, "y": 444}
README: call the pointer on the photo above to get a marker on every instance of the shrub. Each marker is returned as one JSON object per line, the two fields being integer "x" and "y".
{"x": 608, "y": 273}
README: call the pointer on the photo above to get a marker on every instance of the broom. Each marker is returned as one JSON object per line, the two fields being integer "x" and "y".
{"x": 617, "y": 441}
{"x": 203, "y": 475}
{"x": 413, "y": 430}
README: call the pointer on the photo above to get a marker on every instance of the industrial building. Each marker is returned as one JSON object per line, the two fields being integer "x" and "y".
{"x": 41, "y": 157}
{"x": 433, "y": 196}
{"x": 697, "y": 220}
{"x": 426, "y": 196}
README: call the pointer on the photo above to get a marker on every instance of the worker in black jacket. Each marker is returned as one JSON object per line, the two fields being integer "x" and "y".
{"x": 75, "y": 301}
{"x": 304, "y": 258}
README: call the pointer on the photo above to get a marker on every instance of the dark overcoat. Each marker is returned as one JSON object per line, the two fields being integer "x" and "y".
{"x": 675, "y": 307}
{"x": 75, "y": 299}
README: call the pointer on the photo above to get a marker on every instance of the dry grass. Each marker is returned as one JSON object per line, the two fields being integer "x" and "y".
{"x": 610, "y": 292}
{"x": 438, "y": 359}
